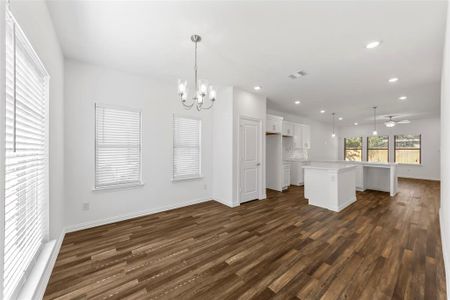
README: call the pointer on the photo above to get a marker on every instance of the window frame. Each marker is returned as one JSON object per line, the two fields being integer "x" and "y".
{"x": 420, "y": 150}
{"x": 387, "y": 149}
{"x": 345, "y": 148}
{"x": 120, "y": 185}
{"x": 200, "y": 146}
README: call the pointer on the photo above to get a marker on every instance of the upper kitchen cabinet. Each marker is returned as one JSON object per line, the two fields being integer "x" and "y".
{"x": 302, "y": 136}
{"x": 274, "y": 124}
{"x": 288, "y": 128}
{"x": 306, "y": 137}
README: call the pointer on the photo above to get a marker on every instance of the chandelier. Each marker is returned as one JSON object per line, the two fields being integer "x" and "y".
{"x": 201, "y": 87}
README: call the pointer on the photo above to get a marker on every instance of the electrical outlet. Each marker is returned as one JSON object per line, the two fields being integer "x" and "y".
{"x": 86, "y": 206}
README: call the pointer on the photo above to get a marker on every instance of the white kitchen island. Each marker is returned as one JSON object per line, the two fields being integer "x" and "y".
{"x": 330, "y": 185}
{"x": 372, "y": 175}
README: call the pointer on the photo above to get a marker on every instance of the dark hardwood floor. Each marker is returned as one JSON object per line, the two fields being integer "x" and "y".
{"x": 279, "y": 248}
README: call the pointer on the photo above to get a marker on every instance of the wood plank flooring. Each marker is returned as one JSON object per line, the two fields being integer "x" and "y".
{"x": 279, "y": 248}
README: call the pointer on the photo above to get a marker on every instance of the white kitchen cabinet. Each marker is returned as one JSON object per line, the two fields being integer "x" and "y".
{"x": 297, "y": 177}
{"x": 274, "y": 124}
{"x": 286, "y": 175}
{"x": 306, "y": 137}
{"x": 288, "y": 128}
{"x": 298, "y": 136}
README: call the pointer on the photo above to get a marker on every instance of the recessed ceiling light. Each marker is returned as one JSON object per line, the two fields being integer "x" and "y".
{"x": 356, "y": 123}
{"x": 373, "y": 44}
{"x": 402, "y": 98}
{"x": 393, "y": 79}
{"x": 340, "y": 118}
{"x": 322, "y": 111}
{"x": 257, "y": 88}
{"x": 297, "y": 102}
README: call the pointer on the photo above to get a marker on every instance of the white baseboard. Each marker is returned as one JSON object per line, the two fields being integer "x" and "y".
{"x": 133, "y": 215}
{"x": 445, "y": 253}
{"x": 345, "y": 204}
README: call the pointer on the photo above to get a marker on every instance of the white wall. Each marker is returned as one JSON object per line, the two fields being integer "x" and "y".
{"x": 35, "y": 21}
{"x": 428, "y": 128}
{"x": 323, "y": 146}
{"x": 444, "y": 213}
{"x": 86, "y": 84}
{"x": 232, "y": 103}
{"x": 223, "y": 147}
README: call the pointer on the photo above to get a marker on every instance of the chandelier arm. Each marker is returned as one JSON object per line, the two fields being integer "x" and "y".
{"x": 208, "y": 107}
{"x": 187, "y": 106}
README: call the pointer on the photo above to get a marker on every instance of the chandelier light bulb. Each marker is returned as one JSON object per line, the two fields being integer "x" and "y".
{"x": 212, "y": 94}
{"x": 181, "y": 87}
{"x": 333, "y": 135}
{"x": 375, "y": 132}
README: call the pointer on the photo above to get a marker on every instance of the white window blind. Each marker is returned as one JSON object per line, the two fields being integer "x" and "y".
{"x": 117, "y": 147}
{"x": 26, "y": 159}
{"x": 186, "y": 147}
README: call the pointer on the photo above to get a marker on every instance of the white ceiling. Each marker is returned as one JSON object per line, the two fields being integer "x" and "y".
{"x": 248, "y": 43}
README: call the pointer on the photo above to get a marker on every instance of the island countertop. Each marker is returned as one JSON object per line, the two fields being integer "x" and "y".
{"x": 332, "y": 166}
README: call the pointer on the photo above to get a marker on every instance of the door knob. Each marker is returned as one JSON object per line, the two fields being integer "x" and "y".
{"x": 258, "y": 164}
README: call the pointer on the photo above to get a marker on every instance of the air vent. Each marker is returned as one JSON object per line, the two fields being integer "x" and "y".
{"x": 297, "y": 74}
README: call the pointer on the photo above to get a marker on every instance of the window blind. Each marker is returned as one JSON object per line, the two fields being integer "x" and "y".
{"x": 117, "y": 147}
{"x": 186, "y": 147}
{"x": 26, "y": 159}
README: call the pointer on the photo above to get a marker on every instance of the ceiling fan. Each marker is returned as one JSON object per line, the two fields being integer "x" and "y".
{"x": 392, "y": 123}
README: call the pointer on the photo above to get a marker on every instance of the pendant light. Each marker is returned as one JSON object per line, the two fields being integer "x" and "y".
{"x": 375, "y": 132}
{"x": 333, "y": 134}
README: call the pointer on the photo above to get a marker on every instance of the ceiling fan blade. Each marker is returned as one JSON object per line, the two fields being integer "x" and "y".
{"x": 404, "y": 122}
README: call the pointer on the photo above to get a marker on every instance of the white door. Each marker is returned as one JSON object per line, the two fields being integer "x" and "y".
{"x": 250, "y": 161}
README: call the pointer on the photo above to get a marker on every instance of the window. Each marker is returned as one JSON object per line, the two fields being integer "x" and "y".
{"x": 186, "y": 148}
{"x": 378, "y": 148}
{"x": 117, "y": 147}
{"x": 353, "y": 148}
{"x": 26, "y": 159}
{"x": 407, "y": 149}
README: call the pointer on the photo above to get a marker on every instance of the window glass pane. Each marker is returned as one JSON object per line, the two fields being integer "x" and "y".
{"x": 353, "y": 148}
{"x": 407, "y": 149}
{"x": 378, "y": 148}
{"x": 26, "y": 160}
{"x": 118, "y": 146}
{"x": 186, "y": 147}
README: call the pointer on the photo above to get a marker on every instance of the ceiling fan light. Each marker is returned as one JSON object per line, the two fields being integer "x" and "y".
{"x": 389, "y": 123}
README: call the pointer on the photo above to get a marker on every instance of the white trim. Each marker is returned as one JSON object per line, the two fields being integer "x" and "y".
{"x": 133, "y": 215}
{"x": 187, "y": 178}
{"x": 445, "y": 250}
{"x": 126, "y": 186}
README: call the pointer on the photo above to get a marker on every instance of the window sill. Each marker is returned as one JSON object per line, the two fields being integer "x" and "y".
{"x": 187, "y": 178}
{"x": 30, "y": 288}
{"x": 409, "y": 165}
{"x": 118, "y": 187}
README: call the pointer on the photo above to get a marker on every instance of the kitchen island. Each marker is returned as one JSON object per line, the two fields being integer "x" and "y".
{"x": 372, "y": 175}
{"x": 330, "y": 185}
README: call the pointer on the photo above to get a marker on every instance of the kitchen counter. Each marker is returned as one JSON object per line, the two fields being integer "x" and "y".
{"x": 372, "y": 175}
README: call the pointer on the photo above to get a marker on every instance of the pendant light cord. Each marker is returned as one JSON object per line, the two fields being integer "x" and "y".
{"x": 374, "y": 118}
{"x": 195, "y": 71}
